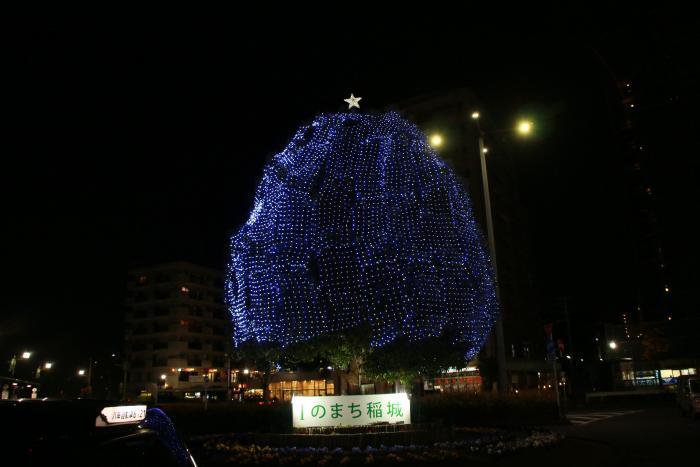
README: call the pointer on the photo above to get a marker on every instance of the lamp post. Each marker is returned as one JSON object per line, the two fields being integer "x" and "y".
{"x": 524, "y": 128}
{"x": 46, "y": 366}
{"x": 500, "y": 343}
{"x": 13, "y": 362}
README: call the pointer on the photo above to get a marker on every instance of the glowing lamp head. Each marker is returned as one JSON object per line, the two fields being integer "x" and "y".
{"x": 26, "y": 355}
{"x": 81, "y": 372}
{"x": 48, "y": 365}
{"x": 613, "y": 345}
{"x": 436, "y": 140}
{"x": 524, "y": 127}
{"x": 475, "y": 115}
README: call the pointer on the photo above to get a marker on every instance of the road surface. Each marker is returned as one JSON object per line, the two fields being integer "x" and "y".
{"x": 655, "y": 436}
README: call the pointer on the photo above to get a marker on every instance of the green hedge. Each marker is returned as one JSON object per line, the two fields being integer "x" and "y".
{"x": 484, "y": 409}
{"x": 234, "y": 417}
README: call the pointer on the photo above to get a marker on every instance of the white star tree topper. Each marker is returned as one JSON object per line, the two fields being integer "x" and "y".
{"x": 353, "y": 101}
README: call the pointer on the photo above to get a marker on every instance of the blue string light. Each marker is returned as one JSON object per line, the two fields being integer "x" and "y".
{"x": 359, "y": 221}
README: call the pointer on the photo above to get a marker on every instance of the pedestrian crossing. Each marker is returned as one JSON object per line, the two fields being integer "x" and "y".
{"x": 590, "y": 417}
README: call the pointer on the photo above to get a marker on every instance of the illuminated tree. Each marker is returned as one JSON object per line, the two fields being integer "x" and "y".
{"x": 358, "y": 221}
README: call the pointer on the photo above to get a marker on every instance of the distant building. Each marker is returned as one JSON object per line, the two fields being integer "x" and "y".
{"x": 449, "y": 115}
{"x": 177, "y": 331}
{"x": 651, "y": 354}
{"x": 650, "y": 297}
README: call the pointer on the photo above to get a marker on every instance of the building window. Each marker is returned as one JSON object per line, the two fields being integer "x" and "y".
{"x": 185, "y": 291}
{"x": 143, "y": 280}
{"x": 284, "y": 390}
{"x": 140, "y": 297}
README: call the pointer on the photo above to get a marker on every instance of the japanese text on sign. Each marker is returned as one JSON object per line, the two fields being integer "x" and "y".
{"x": 368, "y": 409}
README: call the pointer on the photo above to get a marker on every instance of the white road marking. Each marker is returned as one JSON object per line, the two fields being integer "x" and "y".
{"x": 586, "y": 418}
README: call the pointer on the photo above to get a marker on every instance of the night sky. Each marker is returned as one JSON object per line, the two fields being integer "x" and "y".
{"x": 134, "y": 143}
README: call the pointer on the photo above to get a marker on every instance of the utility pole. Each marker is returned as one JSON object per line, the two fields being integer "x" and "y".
{"x": 556, "y": 383}
{"x": 568, "y": 324}
{"x": 90, "y": 375}
{"x": 572, "y": 363}
{"x": 125, "y": 367}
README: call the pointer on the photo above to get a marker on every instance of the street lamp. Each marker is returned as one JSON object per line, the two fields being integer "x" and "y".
{"x": 81, "y": 372}
{"x": 524, "y": 127}
{"x": 613, "y": 345}
{"x": 46, "y": 366}
{"x": 500, "y": 343}
{"x": 13, "y": 361}
{"x": 436, "y": 140}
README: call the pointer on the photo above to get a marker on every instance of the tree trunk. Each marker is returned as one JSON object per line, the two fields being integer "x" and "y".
{"x": 342, "y": 384}
{"x": 266, "y": 386}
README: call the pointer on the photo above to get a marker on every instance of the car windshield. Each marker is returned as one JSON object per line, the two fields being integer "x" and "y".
{"x": 695, "y": 385}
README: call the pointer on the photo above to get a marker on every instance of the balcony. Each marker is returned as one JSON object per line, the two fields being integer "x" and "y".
{"x": 177, "y": 346}
{"x": 177, "y": 362}
{"x": 139, "y": 347}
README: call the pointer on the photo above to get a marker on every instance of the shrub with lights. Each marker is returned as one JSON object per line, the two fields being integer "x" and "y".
{"x": 357, "y": 222}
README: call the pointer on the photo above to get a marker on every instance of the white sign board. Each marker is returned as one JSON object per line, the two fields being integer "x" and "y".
{"x": 121, "y": 414}
{"x": 320, "y": 411}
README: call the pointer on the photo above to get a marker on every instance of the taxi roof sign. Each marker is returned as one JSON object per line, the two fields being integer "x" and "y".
{"x": 120, "y": 415}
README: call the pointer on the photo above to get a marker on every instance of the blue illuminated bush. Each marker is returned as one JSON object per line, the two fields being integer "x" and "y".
{"x": 358, "y": 221}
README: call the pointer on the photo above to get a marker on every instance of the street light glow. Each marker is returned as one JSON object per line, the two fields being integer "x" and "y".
{"x": 613, "y": 345}
{"x": 81, "y": 372}
{"x": 26, "y": 355}
{"x": 48, "y": 365}
{"x": 246, "y": 371}
{"x": 162, "y": 377}
{"x": 486, "y": 150}
{"x": 436, "y": 140}
{"x": 524, "y": 127}
{"x": 475, "y": 115}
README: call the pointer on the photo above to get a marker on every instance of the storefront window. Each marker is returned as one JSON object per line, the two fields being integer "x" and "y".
{"x": 284, "y": 390}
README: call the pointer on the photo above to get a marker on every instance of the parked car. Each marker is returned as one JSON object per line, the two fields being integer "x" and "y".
{"x": 89, "y": 432}
{"x": 688, "y": 395}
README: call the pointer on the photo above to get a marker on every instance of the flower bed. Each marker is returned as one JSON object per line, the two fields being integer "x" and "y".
{"x": 475, "y": 443}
